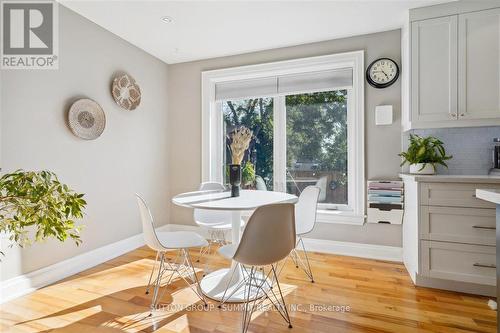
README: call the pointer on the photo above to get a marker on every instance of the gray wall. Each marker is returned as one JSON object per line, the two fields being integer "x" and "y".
{"x": 470, "y": 147}
{"x": 130, "y": 156}
{"x": 383, "y": 143}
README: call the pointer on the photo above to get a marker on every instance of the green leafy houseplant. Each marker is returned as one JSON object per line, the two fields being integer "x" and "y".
{"x": 425, "y": 150}
{"x": 38, "y": 201}
{"x": 248, "y": 174}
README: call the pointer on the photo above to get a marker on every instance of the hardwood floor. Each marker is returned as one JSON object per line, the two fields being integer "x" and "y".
{"x": 377, "y": 296}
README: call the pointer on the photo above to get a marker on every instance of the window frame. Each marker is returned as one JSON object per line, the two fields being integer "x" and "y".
{"x": 212, "y": 127}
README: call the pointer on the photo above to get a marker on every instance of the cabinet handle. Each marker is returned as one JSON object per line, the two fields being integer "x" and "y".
{"x": 484, "y": 265}
{"x": 484, "y": 227}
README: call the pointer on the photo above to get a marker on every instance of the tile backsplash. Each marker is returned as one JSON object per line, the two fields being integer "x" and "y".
{"x": 471, "y": 148}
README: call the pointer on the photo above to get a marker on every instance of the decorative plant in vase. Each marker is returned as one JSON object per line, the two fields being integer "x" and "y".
{"x": 240, "y": 141}
{"x": 38, "y": 202}
{"x": 423, "y": 154}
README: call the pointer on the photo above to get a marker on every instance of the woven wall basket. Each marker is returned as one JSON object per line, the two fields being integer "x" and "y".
{"x": 86, "y": 119}
{"x": 126, "y": 92}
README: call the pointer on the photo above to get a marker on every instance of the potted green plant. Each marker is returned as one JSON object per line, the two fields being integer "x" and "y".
{"x": 38, "y": 202}
{"x": 423, "y": 154}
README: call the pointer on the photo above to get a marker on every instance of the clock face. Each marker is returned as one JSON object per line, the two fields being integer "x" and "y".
{"x": 382, "y": 73}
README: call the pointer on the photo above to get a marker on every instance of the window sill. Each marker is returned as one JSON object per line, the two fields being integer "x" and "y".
{"x": 339, "y": 217}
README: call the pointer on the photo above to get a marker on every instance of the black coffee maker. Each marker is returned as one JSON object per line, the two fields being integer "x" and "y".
{"x": 496, "y": 157}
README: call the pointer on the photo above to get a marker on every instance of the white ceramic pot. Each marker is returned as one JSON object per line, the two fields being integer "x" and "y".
{"x": 417, "y": 169}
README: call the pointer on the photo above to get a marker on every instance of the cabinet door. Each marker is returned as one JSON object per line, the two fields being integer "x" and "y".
{"x": 479, "y": 65}
{"x": 434, "y": 69}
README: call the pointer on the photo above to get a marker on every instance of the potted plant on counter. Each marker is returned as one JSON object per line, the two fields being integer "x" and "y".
{"x": 423, "y": 154}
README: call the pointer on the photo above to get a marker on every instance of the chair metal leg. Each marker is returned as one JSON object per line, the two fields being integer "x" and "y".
{"x": 223, "y": 300}
{"x": 198, "y": 287}
{"x": 307, "y": 266}
{"x": 206, "y": 249}
{"x": 286, "y": 316}
{"x": 152, "y": 271}
{"x": 251, "y": 304}
{"x": 181, "y": 266}
{"x": 293, "y": 255}
{"x": 157, "y": 284}
{"x": 247, "y": 313}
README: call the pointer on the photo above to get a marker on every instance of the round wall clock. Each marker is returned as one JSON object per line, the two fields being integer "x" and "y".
{"x": 382, "y": 73}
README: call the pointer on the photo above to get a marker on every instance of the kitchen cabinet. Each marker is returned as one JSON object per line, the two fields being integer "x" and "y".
{"x": 479, "y": 65}
{"x": 449, "y": 234}
{"x": 454, "y": 64}
{"x": 434, "y": 62}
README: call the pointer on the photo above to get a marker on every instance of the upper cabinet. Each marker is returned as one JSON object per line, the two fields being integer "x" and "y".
{"x": 434, "y": 74}
{"x": 479, "y": 65}
{"x": 454, "y": 70}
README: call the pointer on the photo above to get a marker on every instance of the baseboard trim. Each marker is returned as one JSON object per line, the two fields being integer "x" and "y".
{"x": 370, "y": 251}
{"x": 26, "y": 283}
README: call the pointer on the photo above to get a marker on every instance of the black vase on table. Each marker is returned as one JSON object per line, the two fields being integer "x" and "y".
{"x": 235, "y": 179}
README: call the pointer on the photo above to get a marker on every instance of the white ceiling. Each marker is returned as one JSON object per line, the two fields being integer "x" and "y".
{"x": 207, "y": 29}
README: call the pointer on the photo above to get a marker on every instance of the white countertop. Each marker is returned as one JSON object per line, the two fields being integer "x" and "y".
{"x": 489, "y": 195}
{"x": 485, "y": 179}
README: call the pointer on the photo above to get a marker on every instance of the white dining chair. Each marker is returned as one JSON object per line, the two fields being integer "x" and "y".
{"x": 260, "y": 184}
{"x": 216, "y": 222}
{"x": 321, "y": 183}
{"x": 268, "y": 238}
{"x": 305, "y": 218}
{"x": 161, "y": 242}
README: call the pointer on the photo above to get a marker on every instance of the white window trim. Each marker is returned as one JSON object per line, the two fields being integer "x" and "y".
{"x": 212, "y": 145}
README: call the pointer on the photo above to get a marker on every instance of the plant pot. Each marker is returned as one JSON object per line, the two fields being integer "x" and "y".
{"x": 418, "y": 170}
{"x": 235, "y": 179}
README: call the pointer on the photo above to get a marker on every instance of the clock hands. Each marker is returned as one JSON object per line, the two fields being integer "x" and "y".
{"x": 381, "y": 71}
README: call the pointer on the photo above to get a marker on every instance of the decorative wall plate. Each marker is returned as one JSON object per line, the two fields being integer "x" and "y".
{"x": 86, "y": 119}
{"x": 126, "y": 92}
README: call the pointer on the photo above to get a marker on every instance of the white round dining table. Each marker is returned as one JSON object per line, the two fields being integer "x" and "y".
{"x": 214, "y": 284}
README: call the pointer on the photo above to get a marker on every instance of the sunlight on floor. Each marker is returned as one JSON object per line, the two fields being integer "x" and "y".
{"x": 111, "y": 303}
{"x": 111, "y": 298}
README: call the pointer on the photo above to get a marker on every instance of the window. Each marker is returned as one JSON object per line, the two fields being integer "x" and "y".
{"x": 307, "y": 120}
{"x": 316, "y": 145}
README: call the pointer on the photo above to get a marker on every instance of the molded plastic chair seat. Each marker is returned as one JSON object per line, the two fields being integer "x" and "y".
{"x": 305, "y": 210}
{"x": 228, "y": 251}
{"x": 180, "y": 239}
{"x": 305, "y": 218}
{"x": 268, "y": 238}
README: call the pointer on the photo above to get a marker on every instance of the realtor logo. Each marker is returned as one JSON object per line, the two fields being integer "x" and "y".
{"x": 29, "y": 35}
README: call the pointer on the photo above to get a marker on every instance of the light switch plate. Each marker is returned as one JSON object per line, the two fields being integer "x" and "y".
{"x": 383, "y": 115}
